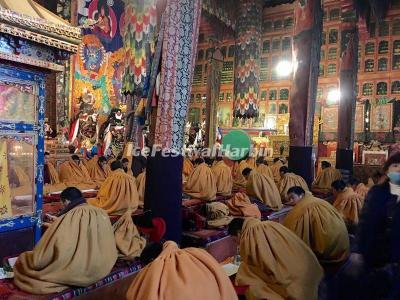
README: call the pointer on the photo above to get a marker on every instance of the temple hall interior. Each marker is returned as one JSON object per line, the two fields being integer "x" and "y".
{"x": 200, "y": 149}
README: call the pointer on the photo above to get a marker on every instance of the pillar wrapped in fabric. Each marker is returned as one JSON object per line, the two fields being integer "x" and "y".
{"x": 306, "y": 56}
{"x": 348, "y": 79}
{"x": 247, "y": 58}
{"x": 213, "y": 87}
{"x": 181, "y": 21}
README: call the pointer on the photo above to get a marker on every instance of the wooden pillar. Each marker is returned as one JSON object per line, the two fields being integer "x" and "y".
{"x": 306, "y": 57}
{"x": 347, "y": 84}
{"x": 247, "y": 58}
{"x": 213, "y": 87}
{"x": 163, "y": 195}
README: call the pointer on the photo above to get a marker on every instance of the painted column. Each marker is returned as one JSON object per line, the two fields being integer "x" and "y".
{"x": 247, "y": 58}
{"x": 306, "y": 57}
{"x": 181, "y": 22}
{"x": 213, "y": 88}
{"x": 347, "y": 84}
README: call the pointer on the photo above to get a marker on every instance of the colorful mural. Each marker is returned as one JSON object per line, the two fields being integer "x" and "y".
{"x": 330, "y": 119}
{"x": 381, "y": 118}
{"x": 98, "y": 68}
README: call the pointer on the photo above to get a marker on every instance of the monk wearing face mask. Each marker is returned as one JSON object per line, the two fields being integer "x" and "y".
{"x": 378, "y": 239}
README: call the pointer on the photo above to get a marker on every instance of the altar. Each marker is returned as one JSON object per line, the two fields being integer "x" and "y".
{"x": 33, "y": 43}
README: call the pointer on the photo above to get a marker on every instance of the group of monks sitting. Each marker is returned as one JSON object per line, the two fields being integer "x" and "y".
{"x": 278, "y": 261}
{"x": 266, "y": 185}
{"x": 118, "y": 189}
{"x": 79, "y": 247}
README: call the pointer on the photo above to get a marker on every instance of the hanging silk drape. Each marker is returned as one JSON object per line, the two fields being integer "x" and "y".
{"x": 181, "y": 23}
{"x": 140, "y": 23}
{"x": 247, "y": 58}
{"x": 139, "y": 28}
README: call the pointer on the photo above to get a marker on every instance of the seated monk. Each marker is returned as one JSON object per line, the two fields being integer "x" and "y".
{"x": 141, "y": 185}
{"x": 262, "y": 188}
{"x": 181, "y": 274}
{"x": 74, "y": 173}
{"x": 138, "y": 164}
{"x": 289, "y": 180}
{"x": 319, "y": 225}
{"x": 125, "y": 166}
{"x": 263, "y": 168}
{"x": 240, "y": 205}
{"x": 275, "y": 263}
{"x": 127, "y": 237}
{"x": 276, "y": 167}
{"x": 110, "y": 159}
{"x": 360, "y": 188}
{"x": 201, "y": 182}
{"x": 78, "y": 249}
{"x": 118, "y": 193}
{"x": 238, "y": 180}
{"x": 223, "y": 177}
{"x": 187, "y": 168}
{"x": 251, "y": 162}
{"x": 98, "y": 169}
{"x": 52, "y": 181}
{"x": 326, "y": 176}
{"x": 347, "y": 202}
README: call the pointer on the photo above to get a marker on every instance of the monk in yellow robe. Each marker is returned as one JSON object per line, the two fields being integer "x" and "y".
{"x": 263, "y": 168}
{"x": 78, "y": 249}
{"x": 324, "y": 179}
{"x": 74, "y": 173}
{"x": 319, "y": 225}
{"x": 240, "y": 205}
{"x": 141, "y": 185}
{"x": 238, "y": 179}
{"x": 276, "y": 167}
{"x": 125, "y": 166}
{"x": 127, "y": 237}
{"x": 182, "y": 274}
{"x": 251, "y": 162}
{"x": 289, "y": 180}
{"x": 201, "y": 183}
{"x": 359, "y": 188}
{"x": 52, "y": 181}
{"x": 98, "y": 169}
{"x": 347, "y": 202}
{"x": 187, "y": 168}
{"x": 118, "y": 193}
{"x": 223, "y": 177}
{"x": 275, "y": 263}
{"x": 263, "y": 188}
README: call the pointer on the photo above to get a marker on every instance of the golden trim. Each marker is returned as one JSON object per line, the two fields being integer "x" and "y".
{"x": 38, "y": 38}
{"x": 40, "y": 24}
{"x": 32, "y": 62}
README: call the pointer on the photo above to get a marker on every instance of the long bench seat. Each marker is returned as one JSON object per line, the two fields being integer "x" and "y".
{"x": 113, "y": 286}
